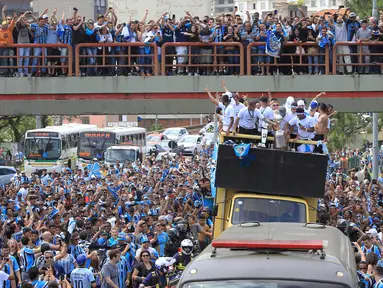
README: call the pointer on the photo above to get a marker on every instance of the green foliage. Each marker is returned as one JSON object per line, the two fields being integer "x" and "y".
{"x": 13, "y": 128}
{"x": 154, "y": 128}
{"x": 344, "y": 128}
{"x": 300, "y": 2}
{"x": 362, "y": 8}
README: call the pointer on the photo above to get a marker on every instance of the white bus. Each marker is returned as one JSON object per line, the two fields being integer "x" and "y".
{"x": 93, "y": 143}
{"x": 50, "y": 147}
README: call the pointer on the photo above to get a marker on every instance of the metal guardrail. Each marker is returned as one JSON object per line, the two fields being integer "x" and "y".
{"x": 43, "y": 58}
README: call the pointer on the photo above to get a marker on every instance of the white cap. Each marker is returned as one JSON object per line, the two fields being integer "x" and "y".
{"x": 290, "y": 100}
{"x": 372, "y": 231}
{"x": 352, "y": 14}
{"x": 301, "y": 103}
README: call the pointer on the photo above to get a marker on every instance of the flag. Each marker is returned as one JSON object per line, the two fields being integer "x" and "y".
{"x": 241, "y": 150}
{"x": 114, "y": 191}
{"x": 273, "y": 45}
{"x": 94, "y": 170}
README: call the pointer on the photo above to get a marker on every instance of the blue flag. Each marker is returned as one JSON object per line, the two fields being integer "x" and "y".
{"x": 114, "y": 191}
{"x": 273, "y": 45}
{"x": 241, "y": 150}
{"x": 94, "y": 170}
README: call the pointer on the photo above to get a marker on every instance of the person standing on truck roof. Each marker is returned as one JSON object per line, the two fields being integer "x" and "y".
{"x": 306, "y": 128}
{"x": 227, "y": 111}
{"x": 248, "y": 117}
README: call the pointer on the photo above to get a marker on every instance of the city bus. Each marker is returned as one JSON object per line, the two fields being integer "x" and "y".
{"x": 94, "y": 142}
{"x": 50, "y": 147}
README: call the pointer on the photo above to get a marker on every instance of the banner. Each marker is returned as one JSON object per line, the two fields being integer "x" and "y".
{"x": 94, "y": 170}
{"x": 273, "y": 45}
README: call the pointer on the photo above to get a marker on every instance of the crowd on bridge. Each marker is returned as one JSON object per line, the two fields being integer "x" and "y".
{"x": 271, "y": 55}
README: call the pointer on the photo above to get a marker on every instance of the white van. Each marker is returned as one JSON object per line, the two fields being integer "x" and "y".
{"x": 122, "y": 153}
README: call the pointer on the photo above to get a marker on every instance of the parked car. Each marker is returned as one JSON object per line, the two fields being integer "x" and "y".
{"x": 155, "y": 138}
{"x": 191, "y": 144}
{"x": 156, "y": 149}
{"x": 175, "y": 133}
{"x": 6, "y": 174}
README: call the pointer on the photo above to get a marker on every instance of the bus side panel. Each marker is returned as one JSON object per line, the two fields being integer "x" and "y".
{"x": 219, "y": 221}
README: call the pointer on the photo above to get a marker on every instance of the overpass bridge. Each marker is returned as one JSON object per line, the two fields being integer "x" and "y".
{"x": 176, "y": 94}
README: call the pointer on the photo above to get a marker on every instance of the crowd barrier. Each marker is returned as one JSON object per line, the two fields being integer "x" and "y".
{"x": 230, "y": 58}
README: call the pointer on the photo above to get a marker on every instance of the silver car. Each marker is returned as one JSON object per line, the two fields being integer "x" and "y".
{"x": 6, "y": 174}
{"x": 191, "y": 144}
{"x": 175, "y": 133}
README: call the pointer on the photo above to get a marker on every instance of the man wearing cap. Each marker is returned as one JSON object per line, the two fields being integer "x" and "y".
{"x": 82, "y": 277}
{"x": 352, "y": 26}
{"x": 7, "y": 38}
{"x": 305, "y": 125}
{"x": 341, "y": 35}
{"x": 364, "y": 35}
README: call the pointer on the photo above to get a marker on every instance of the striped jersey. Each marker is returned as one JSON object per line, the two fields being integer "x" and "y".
{"x": 67, "y": 263}
{"x": 27, "y": 258}
{"x": 81, "y": 278}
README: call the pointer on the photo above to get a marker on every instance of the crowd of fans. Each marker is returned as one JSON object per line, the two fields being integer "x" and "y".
{"x": 74, "y": 29}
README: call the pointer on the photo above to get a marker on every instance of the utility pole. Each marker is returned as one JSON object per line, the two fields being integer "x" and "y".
{"x": 38, "y": 122}
{"x": 375, "y": 118}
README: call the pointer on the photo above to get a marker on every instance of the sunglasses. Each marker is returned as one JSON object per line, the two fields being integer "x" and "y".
{"x": 146, "y": 256}
{"x": 50, "y": 257}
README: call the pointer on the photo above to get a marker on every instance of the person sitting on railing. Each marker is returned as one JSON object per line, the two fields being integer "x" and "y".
{"x": 180, "y": 36}
{"x": 65, "y": 33}
{"x": 40, "y": 30}
{"x": 312, "y": 52}
{"x": 363, "y": 35}
{"x": 298, "y": 50}
{"x": 263, "y": 58}
{"x": 5, "y": 39}
{"x": 230, "y": 36}
{"x": 305, "y": 125}
{"x": 375, "y": 34}
{"x": 78, "y": 37}
{"x": 166, "y": 24}
{"x": 218, "y": 36}
{"x": 93, "y": 36}
{"x": 325, "y": 39}
{"x": 193, "y": 36}
{"x": 52, "y": 38}
{"x": 23, "y": 35}
{"x": 341, "y": 36}
{"x": 206, "y": 37}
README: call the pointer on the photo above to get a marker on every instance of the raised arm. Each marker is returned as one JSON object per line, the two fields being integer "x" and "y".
{"x": 223, "y": 85}
{"x": 3, "y": 17}
{"x": 145, "y": 17}
{"x": 212, "y": 99}
{"x": 45, "y": 12}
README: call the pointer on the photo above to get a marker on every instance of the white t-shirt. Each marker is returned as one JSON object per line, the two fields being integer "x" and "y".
{"x": 307, "y": 122}
{"x": 237, "y": 107}
{"x": 3, "y": 277}
{"x": 268, "y": 113}
{"x": 228, "y": 113}
{"x": 24, "y": 192}
{"x": 248, "y": 118}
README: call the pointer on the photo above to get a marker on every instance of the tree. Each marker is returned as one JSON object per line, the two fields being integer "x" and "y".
{"x": 345, "y": 127}
{"x": 362, "y": 8}
{"x": 13, "y": 128}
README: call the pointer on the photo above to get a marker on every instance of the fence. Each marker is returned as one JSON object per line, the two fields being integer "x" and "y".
{"x": 231, "y": 58}
{"x": 44, "y": 56}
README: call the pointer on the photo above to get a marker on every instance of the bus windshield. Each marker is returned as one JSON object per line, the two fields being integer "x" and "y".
{"x": 267, "y": 210}
{"x": 42, "y": 148}
{"x": 262, "y": 284}
{"x": 93, "y": 147}
{"x": 113, "y": 155}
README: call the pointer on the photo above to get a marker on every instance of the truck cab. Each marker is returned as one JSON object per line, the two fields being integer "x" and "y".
{"x": 122, "y": 153}
{"x": 275, "y": 255}
{"x": 267, "y": 185}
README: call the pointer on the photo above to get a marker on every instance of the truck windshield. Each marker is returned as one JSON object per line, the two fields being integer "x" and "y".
{"x": 90, "y": 147}
{"x": 267, "y": 210}
{"x": 42, "y": 148}
{"x": 262, "y": 284}
{"x": 112, "y": 155}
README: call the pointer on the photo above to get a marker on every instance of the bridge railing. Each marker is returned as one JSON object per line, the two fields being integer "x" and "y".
{"x": 293, "y": 55}
{"x": 364, "y": 57}
{"x": 35, "y": 58}
{"x": 224, "y": 57}
{"x": 139, "y": 57}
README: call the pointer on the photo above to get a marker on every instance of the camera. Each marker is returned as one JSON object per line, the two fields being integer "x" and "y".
{"x": 75, "y": 9}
